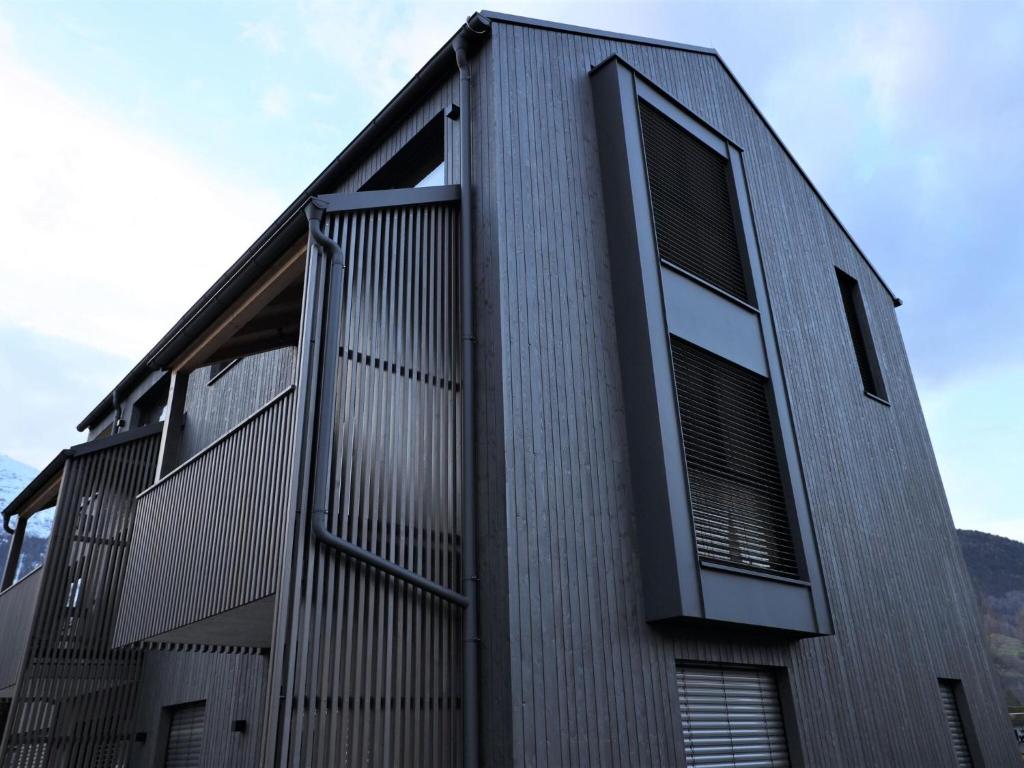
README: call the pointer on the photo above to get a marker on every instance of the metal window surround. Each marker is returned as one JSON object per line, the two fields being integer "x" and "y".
{"x": 719, "y": 544}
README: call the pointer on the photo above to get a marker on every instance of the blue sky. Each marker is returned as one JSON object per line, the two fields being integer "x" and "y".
{"x": 122, "y": 119}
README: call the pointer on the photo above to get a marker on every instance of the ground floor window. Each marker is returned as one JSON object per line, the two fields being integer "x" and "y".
{"x": 731, "y": 716}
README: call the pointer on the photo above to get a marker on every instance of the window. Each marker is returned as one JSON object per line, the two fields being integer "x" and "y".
{"x": 220, "y": 368}
{"x": 955, "y": 723}
{"x": 694, "y": 222}
{"x": 740, "y": 515}
{"x": 860, "y": 335}
{"x": 731, "y": 717}
{"x": 185, "y": 736}
{"x": 420, "y": 163}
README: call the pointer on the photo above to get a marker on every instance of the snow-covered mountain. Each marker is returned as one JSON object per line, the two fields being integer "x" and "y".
{"x": 13, "y": 477}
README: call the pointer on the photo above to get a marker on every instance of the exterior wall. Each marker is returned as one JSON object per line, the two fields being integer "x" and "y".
{"x": 589, "y": 681}
{"x": 213, "y": 408}
{"x": 231, "y": 684}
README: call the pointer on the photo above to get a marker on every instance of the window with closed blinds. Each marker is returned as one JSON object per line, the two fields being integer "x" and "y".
{"x": 740, "y": 515}
{"x": 731, "y": 717}
{"x": 961, "y": 750}
{"x": 694, "y": 222}
{"x": 185, "y": 736}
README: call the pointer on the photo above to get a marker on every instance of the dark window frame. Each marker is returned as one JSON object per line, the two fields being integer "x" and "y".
{"x": 963, "y": 711}
{"x": 864, "y": 351}
{"x": 653, "y": 302}
{"x": 783, "y": 690}
{"x": 218, "y": 369}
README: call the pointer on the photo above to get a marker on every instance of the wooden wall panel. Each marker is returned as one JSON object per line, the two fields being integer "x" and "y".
{"x": 591, "y": 682}
{"x": 208, "y": 536}
{"x": 233, "y": 686}
{"x": 211, "y": 409}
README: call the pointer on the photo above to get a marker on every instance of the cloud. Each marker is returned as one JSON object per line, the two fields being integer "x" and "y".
{"x": 108, "y": 235}
{"x": 275, "y": 101}
{"x": 265, "y": 34}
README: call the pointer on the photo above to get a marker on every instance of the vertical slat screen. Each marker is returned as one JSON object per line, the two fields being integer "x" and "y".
{"x": 740, "y": 515}
{"x": 694, "y": 221}
{"x": 185, "y": 736}
{"x": 373, "y": 668}
{"x": 731, "y": 717}
{"x": 955, "y": 723}
{"x": 74, "y": 703}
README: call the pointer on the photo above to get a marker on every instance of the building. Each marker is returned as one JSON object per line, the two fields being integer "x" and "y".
{"x": 558, "y": 422}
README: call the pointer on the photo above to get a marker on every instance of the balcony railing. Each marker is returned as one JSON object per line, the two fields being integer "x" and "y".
{"x": 205, "y": 552}
{"x": 17, "y": 604}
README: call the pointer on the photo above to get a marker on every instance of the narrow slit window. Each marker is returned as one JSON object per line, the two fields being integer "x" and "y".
{"x": 860, "y": 336}
{"x": 955, "y": 723}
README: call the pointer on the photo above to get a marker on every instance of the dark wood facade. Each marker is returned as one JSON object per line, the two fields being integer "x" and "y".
{"x": 356, "y": 668}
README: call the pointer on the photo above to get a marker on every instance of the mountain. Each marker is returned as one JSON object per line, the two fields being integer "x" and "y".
{"x": 996, "y": 566}
{"x": 13, "y": 477}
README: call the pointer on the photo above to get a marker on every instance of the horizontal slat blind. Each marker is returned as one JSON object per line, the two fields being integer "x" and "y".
{"x": 739, "y": 506}
{"x": 731, "y": 717}
{"x": 693, "y": 213}
{"x": 185, "y": 736}
{"x": 947, "y": 691}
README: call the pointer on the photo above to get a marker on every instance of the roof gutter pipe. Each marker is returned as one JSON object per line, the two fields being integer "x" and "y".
{"x": 470, "y": 578}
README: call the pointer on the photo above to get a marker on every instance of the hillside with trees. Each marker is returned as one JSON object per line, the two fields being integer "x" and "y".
{"x": 996, "y": 565}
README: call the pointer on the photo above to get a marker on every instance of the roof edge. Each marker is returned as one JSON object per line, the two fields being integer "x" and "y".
{"x": 556, "y": 26}
{"x": 439, "y": 66}
{"x": 47, "y": 473}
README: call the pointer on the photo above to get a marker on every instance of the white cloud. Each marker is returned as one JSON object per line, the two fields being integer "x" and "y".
{"x": 275, "y": 101}
{"x": 265, "y": 34}
{"x": 106, "y": 236}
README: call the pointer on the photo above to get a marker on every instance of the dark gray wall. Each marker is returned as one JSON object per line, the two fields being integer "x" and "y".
{"x": 231, "y": 684}
{"x": 589, "y": 681}
{"x": 213, "y": 408}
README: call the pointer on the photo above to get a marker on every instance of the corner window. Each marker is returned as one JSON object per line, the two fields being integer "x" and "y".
{"x": 860, "y": 336}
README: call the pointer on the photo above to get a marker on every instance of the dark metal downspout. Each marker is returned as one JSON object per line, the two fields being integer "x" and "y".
{"x": 327, "y": 413}
{"x": 470, "y": 579}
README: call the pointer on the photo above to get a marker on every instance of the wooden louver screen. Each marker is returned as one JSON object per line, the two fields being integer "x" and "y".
{"x": 961, "y": 751}
{"x": 694, "y": 221}
{"x": 739, "y": 509}
{"x": 731, "y": 717}
{"x": 185, "y": 736}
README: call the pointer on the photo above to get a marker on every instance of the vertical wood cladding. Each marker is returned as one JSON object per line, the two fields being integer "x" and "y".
{"x": 17, "y": 605}
{"x": 208, "y": 536}
{"x": 371, "y": 665}
{"x": 211, "y": 410}
{"x": 590, "y": 682}
{"x": 232, "y": 684}
{"x": 74, "y": 699}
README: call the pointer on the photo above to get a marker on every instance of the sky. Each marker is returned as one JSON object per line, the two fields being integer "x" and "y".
{"x": 123, "y": 121}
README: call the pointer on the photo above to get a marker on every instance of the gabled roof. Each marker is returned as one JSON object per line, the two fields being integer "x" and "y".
{"x": 287, "y": 227}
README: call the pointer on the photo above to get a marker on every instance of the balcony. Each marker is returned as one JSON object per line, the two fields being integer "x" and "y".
{"x": 205, "y": 554}
{"x": 17, "y": 604}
